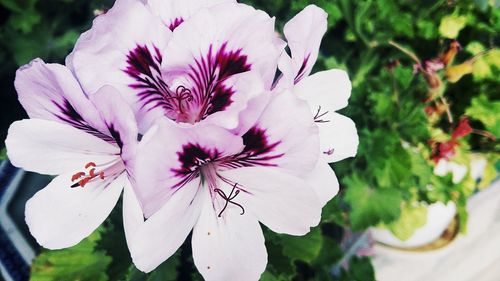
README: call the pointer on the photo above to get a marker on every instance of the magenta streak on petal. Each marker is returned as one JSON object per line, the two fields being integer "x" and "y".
{"x": 302, "y": 70}
{"x": 144, "y": 68}
{"x": 195, "y": 159}
{"x": 209, "y": 73}
{"x": 207, "y": 92}
{"x": 175, "y": 23}
{"x": 257, "y": 152}
{"x": 72, "y": 117}
{"x": 191, "y": 158}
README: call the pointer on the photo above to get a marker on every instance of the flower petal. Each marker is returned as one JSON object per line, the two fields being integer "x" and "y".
{"x": 173, "y": 13}
{"x": 123, "y": 45}
{"x": 246, "y": 106}
{"x": 119, "y": 120}
{"x": 49, "y": 147}
{"x": 164, "y": 232}
{"x": 284, "y": 136}
{"x": 338, "y": 137}
{"x": 325, "y": 91}
{"x": 324, "y": 182}
{"x": 59, "y": 216}
{"x": 228, "y": 248}
{"x": 303, "y": 33}
{"x": 284, "y": 203}
{"x": 51, "y": 92}
{"x": 132, "y": 212}
{"x": 167, "y": 154}
{"x": 237, "y": 31}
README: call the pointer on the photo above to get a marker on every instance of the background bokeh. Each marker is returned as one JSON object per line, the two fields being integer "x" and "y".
{"x": 390, "y": 105}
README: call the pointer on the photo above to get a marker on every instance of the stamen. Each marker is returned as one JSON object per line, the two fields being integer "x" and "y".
{"x": 318, "y": 115}
{"x": 91, "y": 175}
{"x": 229, "y": 199}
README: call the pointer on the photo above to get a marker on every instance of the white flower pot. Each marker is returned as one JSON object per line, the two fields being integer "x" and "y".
{"x": 439, "y": 217}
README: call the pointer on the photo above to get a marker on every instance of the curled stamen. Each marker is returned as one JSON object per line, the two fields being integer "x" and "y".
{"x": 318, "y": 116}
{"x": 184, "y": 93}
{"x": 229, "y": 199}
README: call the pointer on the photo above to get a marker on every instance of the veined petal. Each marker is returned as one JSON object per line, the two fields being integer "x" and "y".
{"x": 284, "y": 136}
{"x": 228, "y": 248}
{"x": 119, "y": 120}
{"x": 168, "y": 158}
{"x": 59, "y": 216}
{"x": 51, "y": 92}
{"x": 246, "y": 106}
{"x": 49, "y": 147}
{"x": 325, "y": 91}
{"x": 173, "y": 13}
{"x": 323, "y": 181}
{"x": 123, "y": 46}
{"x": 237, "y": 32}
{"x": 284, "y": 203}
{"x": 338, "y": 138}
{"x": 303, "y": 34}
{"x": 163, "y": 233}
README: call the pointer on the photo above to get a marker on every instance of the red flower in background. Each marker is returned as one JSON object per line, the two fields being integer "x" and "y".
{"x": 446, "y": 150}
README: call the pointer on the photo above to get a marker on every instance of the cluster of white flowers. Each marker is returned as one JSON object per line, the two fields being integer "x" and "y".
{"x": 196, "y": 111}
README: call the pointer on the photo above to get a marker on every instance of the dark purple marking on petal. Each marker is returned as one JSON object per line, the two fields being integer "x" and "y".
{"x": 175, "y": 23}
{"x": 191, "y": 158}
{"x": 116, "y": 135}
{"x": 258, "y": 151}
{"x": 70, "y": 116}
{"x": 207, "y": 92}
{"x": 209, "y": 74}
{"x": 302, "y": 70}
{"x": 144, "y": 68}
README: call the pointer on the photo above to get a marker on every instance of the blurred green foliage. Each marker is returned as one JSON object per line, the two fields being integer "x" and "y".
{"x": 393, "y": 168}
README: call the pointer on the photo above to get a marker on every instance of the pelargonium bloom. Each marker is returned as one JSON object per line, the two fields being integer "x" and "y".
{"x": 220, "y": 185}
{"x": 325, "y": 91}
{"x": 184, "y": 60}
{"x": 86, "y": 143}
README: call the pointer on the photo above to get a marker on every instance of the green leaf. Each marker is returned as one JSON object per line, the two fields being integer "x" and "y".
{"x": 411, "y": 219}
{"x": 451, "y": 25}
{"x": 490, "y": 171}
{"x": 486, "y": 111}
{"x": 268, "y": 276}
{"x": 475, "y": 48}
{"x": 81, "y": 262}
{"x": 25, "y": 21}
{"x": 361, "y": 269}
{"x": 167, "y": 271}
{"x": 369, "y": 206}
{"x": 278, "y": 264}
{"x": 3, "y": 154}
{"x": 305, "y": 248}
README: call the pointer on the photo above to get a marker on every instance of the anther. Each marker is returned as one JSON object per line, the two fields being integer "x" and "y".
{"x": 87, "y": 178}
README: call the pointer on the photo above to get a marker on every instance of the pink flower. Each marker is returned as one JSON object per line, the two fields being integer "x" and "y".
{"x": 87, "y": 143}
